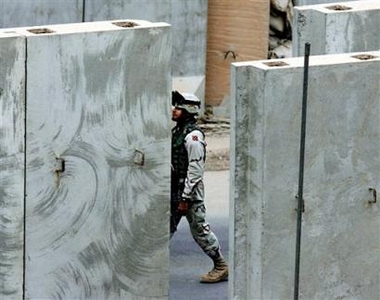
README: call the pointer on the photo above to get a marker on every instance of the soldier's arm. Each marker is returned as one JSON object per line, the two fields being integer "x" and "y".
{"x": 195, "y": 146}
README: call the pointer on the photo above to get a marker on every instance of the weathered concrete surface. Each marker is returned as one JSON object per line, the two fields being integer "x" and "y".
{"x": 16, "y": 13}
{"x": 187, "y": 17}
{"x": 12, "y": 102}
{"x": 340, "y": 254}
{"x": 96, "y": 230}
{"x": 337, "y": 28}
{"x": 314, "y": 2}
{"x": 189, "y": 22}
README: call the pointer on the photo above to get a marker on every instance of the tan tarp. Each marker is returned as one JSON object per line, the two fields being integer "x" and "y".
{"x": 237, "y": 31}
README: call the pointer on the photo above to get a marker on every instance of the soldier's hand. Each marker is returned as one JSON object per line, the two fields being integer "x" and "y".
{"x": 183, "y": 206}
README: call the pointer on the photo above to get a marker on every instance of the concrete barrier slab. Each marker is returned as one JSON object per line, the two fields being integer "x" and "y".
{"x": 12, "y": 146}
{"x": 337, "y": 27}
{"x": 97, "y": 160}
{"x": 314, "y": 2}
{"x": 188, "y": 18}
{"x": 16, "y": 13}
{"x": 340, "y": 255}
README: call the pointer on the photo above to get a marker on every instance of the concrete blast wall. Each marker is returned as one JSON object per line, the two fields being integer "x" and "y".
{"x": 340, "y": 254}
{"x": 337, "y": 28}
{"x": 17, "y": 13}
{"x": 314, "y": 2}
{"x": 12, "y": 163}
{"x": 187, "y": 17}
{"x": 97, "y": 154}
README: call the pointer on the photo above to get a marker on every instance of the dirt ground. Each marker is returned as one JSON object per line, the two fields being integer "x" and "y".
{"x": 218, "y": 146}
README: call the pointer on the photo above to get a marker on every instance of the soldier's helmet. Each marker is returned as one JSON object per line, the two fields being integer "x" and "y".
{"x": 186, "y": 101}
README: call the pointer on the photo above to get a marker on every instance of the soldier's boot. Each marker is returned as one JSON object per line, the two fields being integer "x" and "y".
{"x": 218, "y": 273}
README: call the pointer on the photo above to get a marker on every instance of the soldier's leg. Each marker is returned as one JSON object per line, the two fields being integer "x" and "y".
{"x": 205, "y": 238}
{"x": 200, "y": 229}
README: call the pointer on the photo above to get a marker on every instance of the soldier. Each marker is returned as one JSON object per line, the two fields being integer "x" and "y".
{"x": 187, "y": 190}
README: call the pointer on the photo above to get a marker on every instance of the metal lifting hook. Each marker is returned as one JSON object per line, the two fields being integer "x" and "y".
{"x": 228, "y": 52}
{"x": 374, "y": 195}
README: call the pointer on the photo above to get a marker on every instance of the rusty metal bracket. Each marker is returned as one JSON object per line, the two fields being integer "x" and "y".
{"x": 139, "y": 158}
{"x": 302, "y": 205}
{"x": 374, "y": 196}
{"x": 59, "y": 165}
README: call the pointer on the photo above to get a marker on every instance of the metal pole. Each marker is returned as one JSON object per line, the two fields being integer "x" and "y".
{"x": 84, "y": 11}
{"x": 301, "y": 169}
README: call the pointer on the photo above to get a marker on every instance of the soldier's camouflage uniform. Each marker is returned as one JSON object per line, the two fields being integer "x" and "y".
{"x": 188, "y": 159}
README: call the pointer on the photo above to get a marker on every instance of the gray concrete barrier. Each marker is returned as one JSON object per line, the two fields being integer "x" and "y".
{"x": 340, "y": 255}
{"x": 96, "y": 97}
{"x": 36, "y": 12}
{"x": 314, "y": 2}
{"x": 337, "y": 27}
{"x": 12, "y": 163}
{"x": 187, "y": 17}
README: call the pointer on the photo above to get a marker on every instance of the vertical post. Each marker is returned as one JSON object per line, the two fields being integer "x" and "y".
{"x": 84, "y": 11}
{"x": 301, "y": 170}
{"x": 25, "y": 168}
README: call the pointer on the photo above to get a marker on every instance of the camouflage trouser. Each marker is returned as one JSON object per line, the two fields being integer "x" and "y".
{"x": 196, "y": 216}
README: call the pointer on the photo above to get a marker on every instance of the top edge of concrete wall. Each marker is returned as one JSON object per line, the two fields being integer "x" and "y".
{"x": 342, "y": 7}
{"x": 123, "y": 24}
{"x": 332, "y": 59}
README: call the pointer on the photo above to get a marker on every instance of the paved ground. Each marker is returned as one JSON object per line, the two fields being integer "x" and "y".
{"x": 187, "y": 261}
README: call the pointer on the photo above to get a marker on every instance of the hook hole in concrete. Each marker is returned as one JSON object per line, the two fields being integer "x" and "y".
{"x": 276, "y": 64}
{"x": 40, "y": 30}
{"x": 339, "y": 7}
{"x": 364, "y": 56}
{"x": 125, "y": 24}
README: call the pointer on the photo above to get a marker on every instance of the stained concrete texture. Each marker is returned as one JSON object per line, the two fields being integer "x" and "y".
{"x": 97, "y": 151}
{"x": 12, "y": 163}
{"x": 340, "y": 257}
{"x": 188, "y": 17}
{"x": 341, "y": 27}
{"x": 315, "y": 2}
{"x": 19, "y": 13}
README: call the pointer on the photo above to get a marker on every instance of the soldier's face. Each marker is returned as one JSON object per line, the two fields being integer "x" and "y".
{"x": 176, "y": 114}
